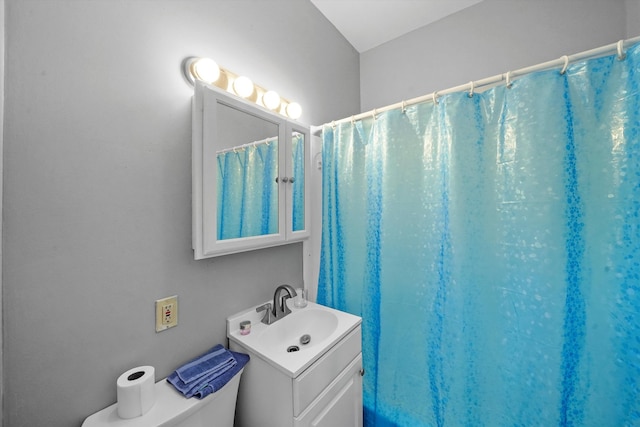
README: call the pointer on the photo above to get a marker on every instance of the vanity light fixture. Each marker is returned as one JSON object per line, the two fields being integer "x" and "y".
{"x": 294, "y": 110}
{"x": 243, "y": 86}
{"x": 271, "y": 100}
{"x": 206, "y": 70}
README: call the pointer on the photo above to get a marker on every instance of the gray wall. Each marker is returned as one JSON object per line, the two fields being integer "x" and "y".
{"x": 487, "y": 39}
{"x": 1, "y": 144}
{"x": 633, "y": 18}
{"x": 97, "y": 204}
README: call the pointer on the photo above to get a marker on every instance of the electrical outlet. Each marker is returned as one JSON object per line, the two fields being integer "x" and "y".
{"x": 166, "y": 313}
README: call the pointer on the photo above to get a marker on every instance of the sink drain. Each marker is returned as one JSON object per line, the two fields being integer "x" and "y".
{"x": 305, "y": 339}
{"x": 293, "y": 348}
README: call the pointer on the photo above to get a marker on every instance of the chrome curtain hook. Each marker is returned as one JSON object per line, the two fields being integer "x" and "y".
{"x": 375, "y": 114}
{"x": 566, "y": 64}
{"x": 434, "y": 96}
{"x": 471, "y": 88}
{"x": 404, "y": 107}
{"x": 621, "y": 53}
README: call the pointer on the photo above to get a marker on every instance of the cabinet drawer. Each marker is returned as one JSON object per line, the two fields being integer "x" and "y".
{"x": 308, "y": 385}
{"x": 340, "y": 404}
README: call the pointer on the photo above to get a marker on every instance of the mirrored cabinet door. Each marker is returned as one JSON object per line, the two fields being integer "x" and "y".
{"x": 249, "y": 187}
{"x": 297, "y": 166}
{"x": 247, "y": 147}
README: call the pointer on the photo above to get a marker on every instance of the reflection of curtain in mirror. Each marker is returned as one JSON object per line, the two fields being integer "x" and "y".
{"x": 247, "y": 191}
{"x": 492, "y": 246}
{"x": 297, "y": 147}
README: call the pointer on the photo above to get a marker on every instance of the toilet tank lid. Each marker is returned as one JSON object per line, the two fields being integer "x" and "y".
{"x": 170, "y": 406}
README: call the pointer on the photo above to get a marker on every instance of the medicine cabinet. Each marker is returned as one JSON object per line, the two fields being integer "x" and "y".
{"x": 249, "y": 168}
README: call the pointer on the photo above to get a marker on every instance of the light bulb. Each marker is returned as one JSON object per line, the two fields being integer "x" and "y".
{"x": 294, "y": 110}
{"x": 206, "y": 69}
{"x": 271, "y": 100}
{"x": 243, "y": 86}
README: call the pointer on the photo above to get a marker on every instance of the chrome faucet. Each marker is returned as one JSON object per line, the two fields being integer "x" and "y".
{"x": 279, "y": 309}
{"x": 282, "y": 310}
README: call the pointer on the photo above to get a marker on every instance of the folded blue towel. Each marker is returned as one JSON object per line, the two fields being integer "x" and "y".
{"x": 219, "y": 382}
{"x": 216, "y": 360}
{"x": 212, "y": 382}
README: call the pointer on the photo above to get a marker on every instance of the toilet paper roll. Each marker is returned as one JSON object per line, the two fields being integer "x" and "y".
{"x": 136, "y": 391}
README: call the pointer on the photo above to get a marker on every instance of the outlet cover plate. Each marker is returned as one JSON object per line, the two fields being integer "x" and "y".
{"x": 166, "y": 313}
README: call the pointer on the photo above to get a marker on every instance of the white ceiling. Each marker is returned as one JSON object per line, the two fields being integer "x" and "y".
{"x": 370, "y": 23}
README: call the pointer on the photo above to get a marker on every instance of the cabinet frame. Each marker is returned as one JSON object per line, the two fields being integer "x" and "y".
{"x": 204, "y": 180}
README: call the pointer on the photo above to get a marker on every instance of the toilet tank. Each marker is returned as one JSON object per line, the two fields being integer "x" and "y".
{"x": 172, "y": 409}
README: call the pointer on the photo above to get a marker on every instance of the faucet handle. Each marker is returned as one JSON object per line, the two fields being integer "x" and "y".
{"x": 268, "y": 315}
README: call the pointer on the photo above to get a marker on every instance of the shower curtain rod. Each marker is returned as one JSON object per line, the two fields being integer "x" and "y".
{"x": 485, "y": 83}
{"x": 253, "y": 144}
{"x": 248, "y": 145}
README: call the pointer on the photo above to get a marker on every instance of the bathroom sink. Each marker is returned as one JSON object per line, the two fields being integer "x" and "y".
{"x": 296, "y": 341}
{"x": 300, "y": 331}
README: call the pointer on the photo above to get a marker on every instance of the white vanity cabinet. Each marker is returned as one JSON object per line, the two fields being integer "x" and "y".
{"x": 328, "y": 393}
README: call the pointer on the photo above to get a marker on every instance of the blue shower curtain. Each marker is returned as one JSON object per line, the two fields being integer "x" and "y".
{"x": 491, "y": 245}
{"x": 297, "y": 199}
{"x": 247, "y": 191}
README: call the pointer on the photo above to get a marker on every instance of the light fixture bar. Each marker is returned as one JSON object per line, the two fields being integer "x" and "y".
{"x": 206, "y": 70}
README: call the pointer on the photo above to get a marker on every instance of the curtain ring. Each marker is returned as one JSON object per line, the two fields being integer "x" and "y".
{"x": 471, "y": 88}
{"x": 375, "y": 114}
{"x": 353, "y": 122}
{"x": 434, "y": 96}
{"x": 566, "y": 64}
{"x": 333, "y": 125}
{"x": 508, "y": 78}
{"x": 404, "y": 107}
{"x": 621, "y": 54}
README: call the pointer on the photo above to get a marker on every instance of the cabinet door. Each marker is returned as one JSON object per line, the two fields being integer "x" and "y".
{"x": 297, "y": 166}
{"x": 340, "y": 405}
